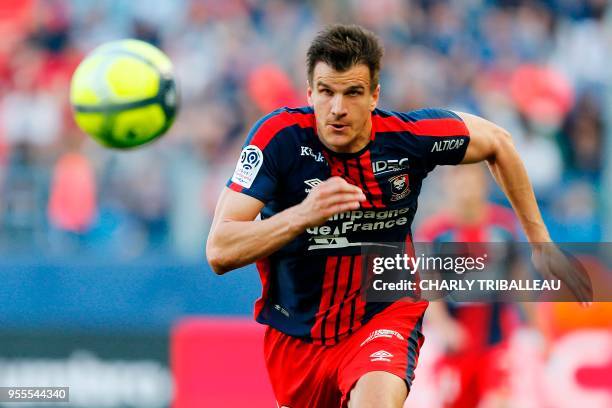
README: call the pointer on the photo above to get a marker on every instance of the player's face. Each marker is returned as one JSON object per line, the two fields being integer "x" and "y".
{"x": 343, "y": 103}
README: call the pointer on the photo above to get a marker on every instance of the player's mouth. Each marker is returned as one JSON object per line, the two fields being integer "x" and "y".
{"x": 337, "y": 127}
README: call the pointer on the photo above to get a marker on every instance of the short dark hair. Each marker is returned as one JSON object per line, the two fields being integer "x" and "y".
{"x": 344, "y": 46}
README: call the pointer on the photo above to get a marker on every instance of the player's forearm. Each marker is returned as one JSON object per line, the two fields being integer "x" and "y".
{"x": 233, "y": 244}
{"x": 509, "y": 171}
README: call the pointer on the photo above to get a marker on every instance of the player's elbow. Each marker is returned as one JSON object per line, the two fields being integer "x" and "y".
{"x": 503, "y": 135}
{"x": 502, "y": 143}
{"x": 217, "y": 258}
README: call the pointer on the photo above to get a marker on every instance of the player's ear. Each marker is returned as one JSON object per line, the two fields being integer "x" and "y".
{"x": 374, "y": 97}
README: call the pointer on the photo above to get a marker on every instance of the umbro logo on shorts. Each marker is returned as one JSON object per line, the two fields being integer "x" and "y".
{"x": 381, "y": 355}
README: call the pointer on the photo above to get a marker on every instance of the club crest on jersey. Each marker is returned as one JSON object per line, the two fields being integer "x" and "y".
{"x": 400, "y": 186}
{"x": 248, "y": 166}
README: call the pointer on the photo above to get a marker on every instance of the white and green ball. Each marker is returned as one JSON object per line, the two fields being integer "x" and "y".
{"x": 124, "y": 94}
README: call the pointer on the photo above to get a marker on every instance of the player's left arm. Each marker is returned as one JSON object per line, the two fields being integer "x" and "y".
{"x": 493, "y": 144}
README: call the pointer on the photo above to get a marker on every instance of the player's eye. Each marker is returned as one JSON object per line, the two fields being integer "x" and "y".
{"x": 326, "y": 91}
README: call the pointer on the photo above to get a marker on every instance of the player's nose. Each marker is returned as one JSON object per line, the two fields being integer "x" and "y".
{"x": 338, "y": 108}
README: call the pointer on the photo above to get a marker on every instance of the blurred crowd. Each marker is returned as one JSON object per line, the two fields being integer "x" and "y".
{"x": 538, "y": 68}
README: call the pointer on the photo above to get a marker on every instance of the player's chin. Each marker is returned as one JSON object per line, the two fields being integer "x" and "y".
{"x": 339, "y": 140}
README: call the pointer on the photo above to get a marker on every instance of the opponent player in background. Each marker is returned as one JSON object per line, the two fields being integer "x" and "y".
{"x": 325, "y": 179}
{"x": 473, "y": 334}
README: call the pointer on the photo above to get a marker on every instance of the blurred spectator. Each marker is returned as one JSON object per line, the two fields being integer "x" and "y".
{"x": 72, "y": 202}
{"x": 519, "y": 63}
{"x": 541, "y": 94}
{"x": 15, "y": 21}
{"x": 542, "y": 158}
{"x": 581, "y": 138}
{"x": 29, "y": 114}
{"x": 271, "y": 88}
{"x": 473, "y": 334}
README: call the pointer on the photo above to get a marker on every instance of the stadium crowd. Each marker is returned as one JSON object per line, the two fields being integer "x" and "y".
{"x": 538, "y": 68}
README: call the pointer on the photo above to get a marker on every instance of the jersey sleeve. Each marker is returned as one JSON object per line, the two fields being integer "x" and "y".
{"x": 439, "y": 136}
{"x": 258, "y": 167}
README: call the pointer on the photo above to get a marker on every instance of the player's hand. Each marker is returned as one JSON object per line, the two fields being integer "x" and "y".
{"x": 551, "y": 262}
{"x": 335, "y": 195}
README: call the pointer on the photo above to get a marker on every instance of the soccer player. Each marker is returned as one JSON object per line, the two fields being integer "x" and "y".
{"x": 474, "y": 333}
{"x": 325, "y": 179}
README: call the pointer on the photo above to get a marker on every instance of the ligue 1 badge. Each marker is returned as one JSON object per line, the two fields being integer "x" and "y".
{"x": 248, "y": 166}
{"x": 400, "y": 187}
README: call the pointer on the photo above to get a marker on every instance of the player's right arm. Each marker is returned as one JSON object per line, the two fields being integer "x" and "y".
{"x": 237, "y": 239}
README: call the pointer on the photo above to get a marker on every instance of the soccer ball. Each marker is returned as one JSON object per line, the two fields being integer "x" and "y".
{"x": 124, "y": 94}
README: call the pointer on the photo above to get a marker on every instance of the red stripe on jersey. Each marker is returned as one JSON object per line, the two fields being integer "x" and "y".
{"x": 275, "y": 124}
{"x": 347, "y": 315}
{"x": 370, "y": 180}
{"x": 342, "y": 322}
{"x": 335, "y": 165}
{"x": 331, "y": 335}
{"x": 356, "y": 178}
{"x": 389, "y": 124}
{"x": 358, "y": 304}
{"x": 317, "y": 332}
{"x": 236, "y": 187}
{"x": 442, "y": 127}
{"x": 355, "y": 295}
{"x": 364, "y": 185}
{"x": 409, "y": 248}
{"x": 424, "y": 127}
{"x": 263, "y": 267}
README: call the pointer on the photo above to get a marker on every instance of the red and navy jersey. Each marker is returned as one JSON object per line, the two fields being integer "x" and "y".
{"x": 312, "y": 286}
{"x": 486, "y": 323}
